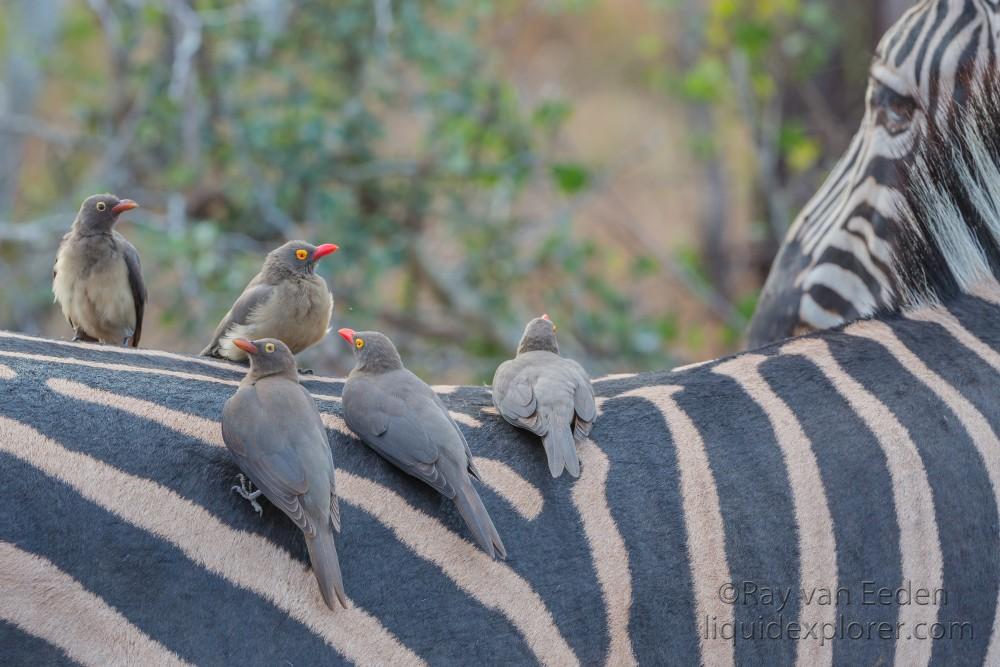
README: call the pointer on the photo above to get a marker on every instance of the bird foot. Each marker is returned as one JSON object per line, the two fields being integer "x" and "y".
{"x": 305, "y": 371}
{"x": 246, "y": 490}
{"x": 79, "y": 335}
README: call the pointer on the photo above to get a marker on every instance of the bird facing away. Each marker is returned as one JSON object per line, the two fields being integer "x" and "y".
{"x": 274, "y": 431}
{"x": 547, "y": 394}
{"x": 286, "y": 300}
{"x": 395, "y": 413}
{"x": 97, "y": 278}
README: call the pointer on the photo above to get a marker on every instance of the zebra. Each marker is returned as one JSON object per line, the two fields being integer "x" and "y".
{"x": 835, "y": 264}
{"x": 831, "y": 499}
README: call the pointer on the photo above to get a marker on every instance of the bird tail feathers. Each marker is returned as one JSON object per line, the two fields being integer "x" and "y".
{"x": 326, "y": 567}
{"x": 560, "y": 449}
{"x": 471, "y": 507}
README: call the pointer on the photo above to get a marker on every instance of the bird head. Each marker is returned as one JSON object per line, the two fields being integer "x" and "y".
{"x": 297, "y": 257}
{"x": 268, "y": 356}
{"x": 99, "y": 213}
{"x": 373, "y": 351}
{"x": 540, "y": 334}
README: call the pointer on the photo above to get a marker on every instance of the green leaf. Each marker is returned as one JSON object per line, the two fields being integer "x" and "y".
{"x": 570, "y": 177}
{"x": 707, "y": 81}
{"x": 550, "y": 115}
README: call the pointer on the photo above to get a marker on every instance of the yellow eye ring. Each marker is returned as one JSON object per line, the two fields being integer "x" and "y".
{"x": 301, "y": 253}
{"x": 101, "y": 206}
{"x": 358, "y": 343}
{"x": 269, "y": 347}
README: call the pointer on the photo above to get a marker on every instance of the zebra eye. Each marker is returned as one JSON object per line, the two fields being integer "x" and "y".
{"x": 893, "y": 111}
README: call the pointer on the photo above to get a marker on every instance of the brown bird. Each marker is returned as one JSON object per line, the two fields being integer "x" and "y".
{"x": 274, "y": 431}
{"x": 547, "y": 394}
{"x": 97, "y": 278}
{"x": 286, "y": 300}
{"x": 401, "y": 418}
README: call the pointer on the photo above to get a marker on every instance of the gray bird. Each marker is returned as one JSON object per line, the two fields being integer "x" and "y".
{"x": 97, "y": 278}
{"x": 286, "y": 300}
{"x": 547, "y": 394}
{"x": 274, "y": 431}
{"x": 401, "y": 418}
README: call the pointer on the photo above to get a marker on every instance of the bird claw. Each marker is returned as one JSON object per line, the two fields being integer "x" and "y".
{"x": 81, "y": 336}
{"x": 245, "y": 490}
{"x": 305, "y": 371}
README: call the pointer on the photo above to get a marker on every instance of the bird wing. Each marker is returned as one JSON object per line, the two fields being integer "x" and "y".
{"x": 468, "y": 452}
{"x": 318, "y": 424}
{"x": 514, "y": 396}
{"x": 401, "y": 423}
{"x": 252, "y": 298}
{"x": 136, "y": 283}
{"x": 584, "y": 403}
{"x": 583, "y": 395}
{"x": 263, "y": 451}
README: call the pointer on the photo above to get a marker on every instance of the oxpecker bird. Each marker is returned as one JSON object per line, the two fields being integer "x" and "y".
{"x": 274, "y": 431}
{"x": 547, "y": 394}
{"x": 401, "y": 418}
{"x": 97, "y": 278}
{"x": 286, "y": 300}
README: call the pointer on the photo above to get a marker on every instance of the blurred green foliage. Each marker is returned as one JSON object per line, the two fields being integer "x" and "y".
{"x": 386, "y": 126}
{"x": 383, "y": 127}
{"x": 775, "y": 45}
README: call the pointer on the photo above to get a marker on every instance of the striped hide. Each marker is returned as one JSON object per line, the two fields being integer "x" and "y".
{"x": 836, "y": 262}
{"x": 838, "y": 464}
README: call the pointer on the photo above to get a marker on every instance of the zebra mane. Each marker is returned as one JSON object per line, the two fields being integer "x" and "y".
{"x": 950, "y": 206}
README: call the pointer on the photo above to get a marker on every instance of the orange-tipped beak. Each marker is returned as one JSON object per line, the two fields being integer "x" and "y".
{"x": 123, "y": 205}
{"x": 545, "y": 316}
{"x": 245, "y": 345}
{"x": 347, "y": 334}
{"x": 324, "y": 250}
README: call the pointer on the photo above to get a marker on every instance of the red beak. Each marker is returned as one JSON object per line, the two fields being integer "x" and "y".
{"x": 545, "y": 316}
{"x": 123, "y": 205}
{"x": 245, "y": 345}
{"x": 347, "y": 334}
{"x": 324, "y": 250}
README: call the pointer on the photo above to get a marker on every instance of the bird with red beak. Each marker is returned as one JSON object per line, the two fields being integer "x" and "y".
{"x": 274, "y": 431}
{"x": 395, "y": 413}
{"x": 286, "y": 300}
{"x": 97, "y": 278}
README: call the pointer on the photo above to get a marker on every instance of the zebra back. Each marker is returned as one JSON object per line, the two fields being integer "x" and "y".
{"x": 758, "y": 494}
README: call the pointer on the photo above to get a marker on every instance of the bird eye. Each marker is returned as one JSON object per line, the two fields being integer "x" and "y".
{"x": 101, "y": 206}
{"x": 269, "y": 347}
{"x": 301, "y": 254}
{"x": 358, "y": 343}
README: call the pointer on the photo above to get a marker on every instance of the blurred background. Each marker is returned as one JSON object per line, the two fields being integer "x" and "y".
{"x": 628, "y": 166}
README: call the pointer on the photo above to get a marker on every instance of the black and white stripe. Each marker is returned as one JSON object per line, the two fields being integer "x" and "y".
{"x": 868, "y": 455}
{"x": 835, "y": 264}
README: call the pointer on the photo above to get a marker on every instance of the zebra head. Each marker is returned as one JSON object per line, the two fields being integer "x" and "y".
{"x": 835, "y": 264}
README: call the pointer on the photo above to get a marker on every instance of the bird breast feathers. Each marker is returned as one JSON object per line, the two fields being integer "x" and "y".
{"x": 92, "y": 283}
